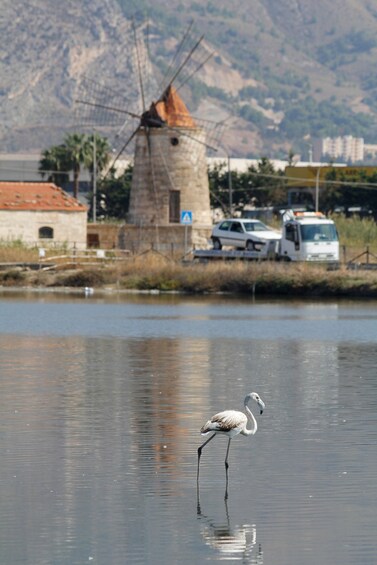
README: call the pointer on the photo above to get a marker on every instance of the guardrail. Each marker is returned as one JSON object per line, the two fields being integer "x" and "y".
{"x": 369, "y": 264}
{"x": 82, "y": 257}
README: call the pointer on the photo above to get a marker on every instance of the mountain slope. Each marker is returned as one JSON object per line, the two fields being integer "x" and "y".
{"x": 283, "y": 70}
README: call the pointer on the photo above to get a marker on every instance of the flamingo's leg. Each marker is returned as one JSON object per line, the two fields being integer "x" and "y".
{"x": 200, "y": 452}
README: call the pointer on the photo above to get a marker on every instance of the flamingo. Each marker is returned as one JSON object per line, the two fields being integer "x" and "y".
{"x": 231, "y": 423}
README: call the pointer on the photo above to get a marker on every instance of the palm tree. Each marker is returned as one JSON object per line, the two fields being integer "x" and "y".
{"x": 75, "y": 152}
{"x": 78, "y": 152}
{"x": 54, "y": 165}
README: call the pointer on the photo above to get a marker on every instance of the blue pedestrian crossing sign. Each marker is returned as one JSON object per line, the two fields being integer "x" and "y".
{"x": 186, "y": 217}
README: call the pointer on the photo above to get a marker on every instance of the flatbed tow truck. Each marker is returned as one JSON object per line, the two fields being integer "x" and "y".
{"x": 305, "y": 236}
{"x": 267, "y": 252}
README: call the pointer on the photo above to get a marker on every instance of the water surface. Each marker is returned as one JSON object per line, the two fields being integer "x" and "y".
{"x": 101, "y": 402}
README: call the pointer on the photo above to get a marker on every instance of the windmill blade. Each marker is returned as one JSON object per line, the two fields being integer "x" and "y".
{"x": 159, "y": 166}
{"x": 190, "y": 54}
{"x": 107, "y": 109}
{"x": 151, "y": 161}
{"x": 97, "y": 105}
{"x": 89, "y": 84}
{"x": 110, "y": 108}
{"x": 195, "y": 71}
{"x": 141, "y": 85}
{"x": 188, "y": 135}
{"x": 165, "y": 79}
{"x": 142, "y": 63}
{"x": 124, "y": 146}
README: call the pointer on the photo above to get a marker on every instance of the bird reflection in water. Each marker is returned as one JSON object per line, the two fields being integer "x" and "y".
{"x": 231, "y": 542}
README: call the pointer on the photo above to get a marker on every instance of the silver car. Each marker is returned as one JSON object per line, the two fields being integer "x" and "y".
{"x": 243, "y": 234}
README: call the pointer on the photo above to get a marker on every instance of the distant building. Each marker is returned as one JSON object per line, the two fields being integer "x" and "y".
{"x": 41, "y": 214}
{"x": 370, "y": 150}
{"x": 347, "y": 148}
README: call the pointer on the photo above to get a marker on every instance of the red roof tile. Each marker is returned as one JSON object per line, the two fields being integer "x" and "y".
{"x": 37, "y": 196}
{"x": 173, "y": 110}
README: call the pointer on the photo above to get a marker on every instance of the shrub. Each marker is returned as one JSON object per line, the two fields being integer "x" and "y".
{"x": 83, "y": 278}
{"x": 13, "y": 277}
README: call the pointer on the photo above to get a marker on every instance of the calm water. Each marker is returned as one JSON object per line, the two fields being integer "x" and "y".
{"x": 101, "y": 403}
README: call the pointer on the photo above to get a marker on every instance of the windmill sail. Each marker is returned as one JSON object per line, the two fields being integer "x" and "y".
{"x": 170, "y": 165}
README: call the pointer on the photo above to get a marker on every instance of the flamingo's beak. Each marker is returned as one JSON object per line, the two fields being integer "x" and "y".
{"x": 261, "y": 405}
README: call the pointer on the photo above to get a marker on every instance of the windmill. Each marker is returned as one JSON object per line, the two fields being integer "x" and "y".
{"x": 169, "y": 156}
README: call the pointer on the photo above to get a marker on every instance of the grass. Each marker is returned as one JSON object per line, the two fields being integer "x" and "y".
{"x": 153, "y": 271}
{"x": 148, "y": 273}
{"x": 355, "y": 233}
{"x": 17, "y": 252}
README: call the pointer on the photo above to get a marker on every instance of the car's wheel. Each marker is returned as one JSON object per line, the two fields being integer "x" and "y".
{"x": 250, "y": 245}
{"x": 216, "y": 243}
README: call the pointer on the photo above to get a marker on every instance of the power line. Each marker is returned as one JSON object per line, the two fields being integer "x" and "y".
{"x": 275, "y": 176}
{"x": 283, "y": 178}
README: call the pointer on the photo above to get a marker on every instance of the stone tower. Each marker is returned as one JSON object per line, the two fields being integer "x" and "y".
{"x": 170, "y": 167}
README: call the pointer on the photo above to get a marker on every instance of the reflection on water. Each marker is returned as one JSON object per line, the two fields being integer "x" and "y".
{"x": 100, "y": 411}
{"x": 229, "y": 541}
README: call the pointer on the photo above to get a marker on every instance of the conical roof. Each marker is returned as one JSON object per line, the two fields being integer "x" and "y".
{"x": 171, "y": 109}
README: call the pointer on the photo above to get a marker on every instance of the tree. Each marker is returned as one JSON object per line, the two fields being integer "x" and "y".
{"x": 113, "y": 195}
{"x": 347, "y": 190}
{"x": 54, "y": 165}
{"x": 266, "y": 185}
{"x": 78, "y": 150}
{"x": 75, "y": 152}
{"x": 218, "y": 178}
{"x": 260, "y": 185}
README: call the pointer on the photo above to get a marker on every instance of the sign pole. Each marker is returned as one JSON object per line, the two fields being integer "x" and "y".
{"x": 186, "y": 220}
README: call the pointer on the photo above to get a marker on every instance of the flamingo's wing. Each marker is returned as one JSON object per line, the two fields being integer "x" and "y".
{"x": 225, "y": 422}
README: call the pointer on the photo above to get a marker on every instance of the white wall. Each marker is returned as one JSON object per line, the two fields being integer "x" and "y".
{"x": 69, "y": 227}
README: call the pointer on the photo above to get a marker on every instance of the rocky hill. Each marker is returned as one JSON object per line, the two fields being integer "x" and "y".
{"x": 283, "y": 71}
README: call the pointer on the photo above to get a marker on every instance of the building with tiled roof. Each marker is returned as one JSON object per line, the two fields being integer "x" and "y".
{"x": 41, "y": 213}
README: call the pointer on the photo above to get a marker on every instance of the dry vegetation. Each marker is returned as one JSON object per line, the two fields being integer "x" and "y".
{"x": 153, "y": 271}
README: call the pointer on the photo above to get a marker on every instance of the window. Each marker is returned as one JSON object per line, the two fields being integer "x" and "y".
{"x": 225, "y": 225}
{"x": 236, "y": 227}
{"x": 290, "y": 232}
{"x": 93, "y": 240}
{"x": 46, "y": 233}
{"x": 174, "y": 206}
{"x": 315, "y": 232}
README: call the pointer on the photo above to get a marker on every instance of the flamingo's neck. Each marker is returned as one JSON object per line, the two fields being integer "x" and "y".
{"x": 250, "y": 415}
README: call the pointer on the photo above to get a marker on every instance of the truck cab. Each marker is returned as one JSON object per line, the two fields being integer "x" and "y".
{"x": 308, "y": 236}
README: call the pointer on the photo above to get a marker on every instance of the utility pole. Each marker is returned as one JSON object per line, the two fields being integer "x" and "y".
{"x": 310, "y": 154}
{"x": 230, "y": 187}
{"x": 317, "y": 189}
{"x": 94, "y": 179}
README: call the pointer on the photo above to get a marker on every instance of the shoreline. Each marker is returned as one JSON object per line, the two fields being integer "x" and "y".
{"x": 158, "y": 277}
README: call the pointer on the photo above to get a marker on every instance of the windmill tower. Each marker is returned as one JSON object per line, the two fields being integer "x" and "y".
{"x": 170, "y": 168}
{"x": 169, "y": 160}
